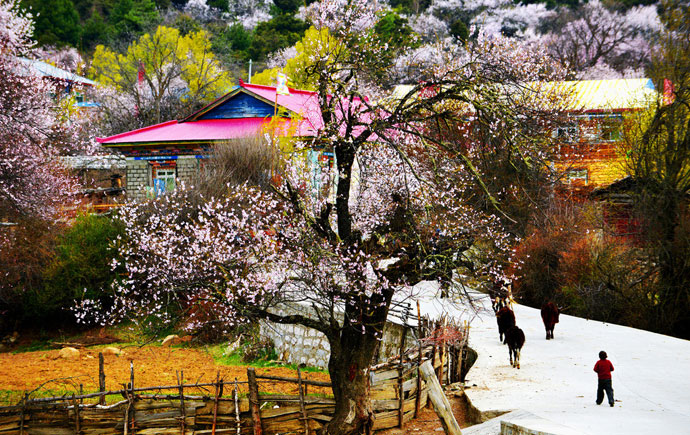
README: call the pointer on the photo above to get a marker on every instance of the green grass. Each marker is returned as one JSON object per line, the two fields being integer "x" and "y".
{"x": 235, "y": 359}
{"x": 34, "y": 346}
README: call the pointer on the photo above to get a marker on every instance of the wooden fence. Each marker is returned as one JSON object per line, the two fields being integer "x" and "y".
{"x": 238, "y": 407}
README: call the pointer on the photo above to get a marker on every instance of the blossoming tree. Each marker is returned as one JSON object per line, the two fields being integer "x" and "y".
{"x": 32, "y": 132}
{"x": 398, "y": 206}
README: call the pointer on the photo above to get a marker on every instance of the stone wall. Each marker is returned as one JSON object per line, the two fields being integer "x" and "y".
{"x": 297, "y": 344}
{"x": 138, "y": 177}
{"x": 187, "y": 170}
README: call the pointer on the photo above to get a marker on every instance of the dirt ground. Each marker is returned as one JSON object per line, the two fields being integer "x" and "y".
{"x": 44, "y": 373}
{"x": 153, "y": 366}
{"x": 427, "y": 422}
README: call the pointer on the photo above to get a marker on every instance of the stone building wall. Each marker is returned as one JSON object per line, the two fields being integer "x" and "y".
{"x": 187, "y": 170}
{"x": 138, "y": 177}
{"x": 297, "y": 344}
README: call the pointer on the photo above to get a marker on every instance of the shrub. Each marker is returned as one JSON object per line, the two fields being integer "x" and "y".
{"x": 25, "y": 249}
{"x": 590, "y": 274}
{"x": 80, "y": 267}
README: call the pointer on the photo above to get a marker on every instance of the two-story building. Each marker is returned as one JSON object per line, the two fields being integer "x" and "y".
{"x": 590, "y": 143}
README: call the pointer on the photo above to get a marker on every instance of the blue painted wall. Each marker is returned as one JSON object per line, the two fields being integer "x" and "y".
{"x": 240, "y": 106}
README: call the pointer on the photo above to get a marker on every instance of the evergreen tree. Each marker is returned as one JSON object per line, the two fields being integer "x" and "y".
{"x": 57, "y": 22}
{"x": 280, "y": 32}
{"x": 96, "y": 31}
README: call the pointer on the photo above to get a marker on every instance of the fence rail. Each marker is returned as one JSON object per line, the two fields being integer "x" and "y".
{"x": 397, "y": 392}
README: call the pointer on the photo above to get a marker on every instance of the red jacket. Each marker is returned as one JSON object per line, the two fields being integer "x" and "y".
{"x": 603, "y": 367}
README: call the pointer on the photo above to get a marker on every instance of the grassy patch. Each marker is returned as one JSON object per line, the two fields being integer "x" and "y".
{"x": 221, "y": 357}
{"x": 33, "y": 346}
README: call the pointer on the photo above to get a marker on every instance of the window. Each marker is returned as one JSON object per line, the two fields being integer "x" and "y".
{"x": 577, "y": 176}
{"x": 567, "y": 133}
{"x": 607, "y": 127}
{"x": 163, "y": 180}
{"x": 610, "y": 128}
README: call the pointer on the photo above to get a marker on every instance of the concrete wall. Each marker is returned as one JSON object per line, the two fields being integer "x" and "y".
{"x": 296, "y": 344}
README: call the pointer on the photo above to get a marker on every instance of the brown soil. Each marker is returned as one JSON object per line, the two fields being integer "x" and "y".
{"x": 49, "y": 374}
{"x": 153, "y": 366}
{"x": 427, "y": 422}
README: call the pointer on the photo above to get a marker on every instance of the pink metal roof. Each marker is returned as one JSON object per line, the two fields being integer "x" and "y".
{"x": 303, "y": 103}
{"x": 201, "y": 131}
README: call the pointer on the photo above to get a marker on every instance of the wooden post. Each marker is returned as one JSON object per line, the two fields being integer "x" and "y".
{"x": 131, "y": 376}
{"x": 180, "y": 381}
{"x": 440, "y": 401}
{"x": 21, "y": 422}
{"x": 236, "y": 397}
{"x": 76, "y": 415}
{"x": 448, "y": 360}
{"x": 215, "y": 403}
{"x": 433, "y": 352}
{"x": 418, "y": 399}
{"x": 441, "y": 354}
{"x": 130, "y": 406}
{"x": 254, "y": 401}
{"x": 401, "y": 392}
{"x": 301, "y": 401}
{"x": 101, "y": 378}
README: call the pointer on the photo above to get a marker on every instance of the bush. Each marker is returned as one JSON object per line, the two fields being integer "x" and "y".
{"x": 590, "y": 274}
{"x": 259, "y": 350}
{"x": 25, "y": 249}
{"x": 79, "y": 268}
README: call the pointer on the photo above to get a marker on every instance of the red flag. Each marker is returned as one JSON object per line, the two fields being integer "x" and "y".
{"x": 142, "y": 72}
{"x": 669, "y": 92}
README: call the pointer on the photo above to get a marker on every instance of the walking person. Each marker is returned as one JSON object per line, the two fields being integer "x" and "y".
{"x": 604, "y": 367}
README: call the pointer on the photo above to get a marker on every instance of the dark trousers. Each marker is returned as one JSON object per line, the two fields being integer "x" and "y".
{"x": 604, "y": 385}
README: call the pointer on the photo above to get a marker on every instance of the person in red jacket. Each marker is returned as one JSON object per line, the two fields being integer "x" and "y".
{"x": 603, "y": 367}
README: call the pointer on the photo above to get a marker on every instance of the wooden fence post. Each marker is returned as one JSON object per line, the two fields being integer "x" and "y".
{"x": 441, "y": 353}
{"x": 418, "y": 399}
{"x": 301, "y": 401}
{"x": 215, "y": 403}
{"x": 236, "y": 397}
{"x": 76, "y": 415}
{"x": 129, "y": 392}
{"x": 440, "y": 401}
{"x": 401, "y": 391}
{"x": 254, "y": 401}
{"x": 433, "y": 329}
{"x": 180, "y": 381}
{"x": 21, "y": 422}
{"x": 101, "y": 378}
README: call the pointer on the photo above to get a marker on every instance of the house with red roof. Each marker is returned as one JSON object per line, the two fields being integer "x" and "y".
{"x": 161, "y": 156}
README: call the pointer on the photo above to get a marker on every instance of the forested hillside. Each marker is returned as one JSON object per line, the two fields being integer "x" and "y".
{"x": 257, "y": 30}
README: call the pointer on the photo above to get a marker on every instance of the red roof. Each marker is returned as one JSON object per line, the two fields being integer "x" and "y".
{"x": 302, "y": 103}
{"x": 206, "y": 130}
{"x": 305, "y": 120}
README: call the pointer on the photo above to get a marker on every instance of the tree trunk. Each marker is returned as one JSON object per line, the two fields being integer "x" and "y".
{"x": 353, "y": 347}
{"x": 673, "y": 299}
{"x": 351, "y": 357}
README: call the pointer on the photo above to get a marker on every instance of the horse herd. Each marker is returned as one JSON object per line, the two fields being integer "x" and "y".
{"x": 508, "y": 332}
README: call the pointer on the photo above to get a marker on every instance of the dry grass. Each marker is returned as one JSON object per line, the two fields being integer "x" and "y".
{"x": 235, "y": 162}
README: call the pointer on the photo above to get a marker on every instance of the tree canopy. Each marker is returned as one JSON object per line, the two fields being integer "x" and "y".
{"x": 160, "y": 76}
